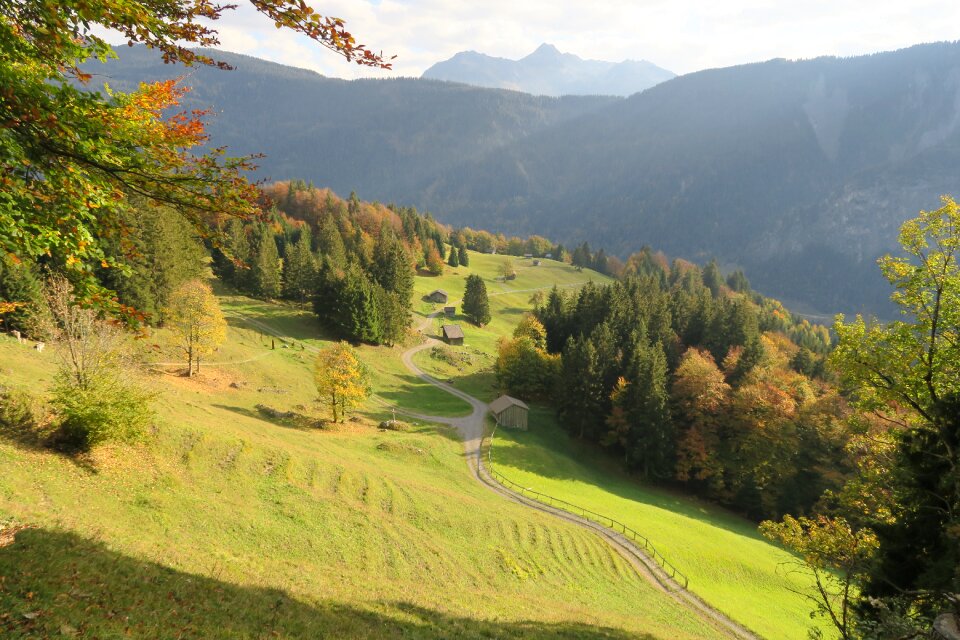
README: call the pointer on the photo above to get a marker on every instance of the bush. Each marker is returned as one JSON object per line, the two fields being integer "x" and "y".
{"x": 107, "y": 408}
{"x": 454, "y": 358}
{"x": 22, "y": 415}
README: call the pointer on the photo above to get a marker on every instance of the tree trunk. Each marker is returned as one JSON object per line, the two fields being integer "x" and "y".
{"x": 333, "y": 404}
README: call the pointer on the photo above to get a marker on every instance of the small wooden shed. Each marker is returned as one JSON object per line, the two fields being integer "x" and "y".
{"x": 510, "y": 412}
{"x": 449, "y": 311}
{"x": 438, "y": 295}
{"x": 452, "y": 334}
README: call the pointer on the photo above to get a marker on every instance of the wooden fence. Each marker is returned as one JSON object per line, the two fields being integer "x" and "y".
{"x": 638, "y": 539}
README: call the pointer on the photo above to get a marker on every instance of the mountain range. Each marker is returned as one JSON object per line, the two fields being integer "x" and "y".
{"x": 549, "y": 72}
{"x": 800, "y": 172}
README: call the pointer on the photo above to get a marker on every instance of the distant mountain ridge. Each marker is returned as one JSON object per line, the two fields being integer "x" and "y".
{"x": 549, "y": 72}
{"x": 798, "y": 172}
{"x": 377, "y": 137}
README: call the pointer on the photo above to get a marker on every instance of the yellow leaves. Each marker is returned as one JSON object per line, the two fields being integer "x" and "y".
{"x": 341, "y": 378}
{"x": 10, "y": 307}
{"x": 196, "y": 318}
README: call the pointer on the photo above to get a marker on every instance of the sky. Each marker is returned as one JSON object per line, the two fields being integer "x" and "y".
{"x": 680, "y": 35}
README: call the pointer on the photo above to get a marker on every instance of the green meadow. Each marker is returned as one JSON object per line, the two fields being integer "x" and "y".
{"x": 727, "y": 562}
{"x": 225, "y": 523}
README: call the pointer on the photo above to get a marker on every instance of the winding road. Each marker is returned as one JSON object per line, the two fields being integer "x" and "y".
{"x": 472, "y": 429}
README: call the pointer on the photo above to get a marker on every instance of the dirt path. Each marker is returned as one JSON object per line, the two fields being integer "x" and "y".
{"x": 471, "y": 429}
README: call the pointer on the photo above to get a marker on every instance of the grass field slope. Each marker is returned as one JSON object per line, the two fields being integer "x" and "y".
{"x": 471, "y": 368}
{"x": 226, "y": 523}
{"x": 727, "y": 562}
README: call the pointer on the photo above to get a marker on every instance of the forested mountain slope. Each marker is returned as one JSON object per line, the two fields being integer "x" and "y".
{"x": 376, "y": 137}
{"x": 799, "y": 172}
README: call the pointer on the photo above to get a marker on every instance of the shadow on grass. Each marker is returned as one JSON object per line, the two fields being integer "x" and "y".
{"x": 297, "y": 421}
{"x": 30, "y": 433}
{"x": 480, "y": 384}
{"x": 60, "y": 584}
{"x": 421, "y": 397}
{"x": 550, "y": 452}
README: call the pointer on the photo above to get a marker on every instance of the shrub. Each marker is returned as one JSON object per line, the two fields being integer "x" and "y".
{"x": 110, "y": 407}
{"x": 22, "y": 415}
{"x": 443, "y": 353}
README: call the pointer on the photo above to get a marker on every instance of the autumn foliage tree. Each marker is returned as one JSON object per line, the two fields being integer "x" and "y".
{"x": 70, "y": 155}
{"x": 196, "y": 320}
{"x": 907, "y": 372}
{"x": 341, "y": 378}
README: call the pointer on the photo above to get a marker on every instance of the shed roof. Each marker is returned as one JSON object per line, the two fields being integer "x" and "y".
{"x": 505, "y": 402}
{"x": 438, "y": 291}
{"x": 452, "y": 331}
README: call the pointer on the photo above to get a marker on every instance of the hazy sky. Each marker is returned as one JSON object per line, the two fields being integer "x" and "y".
{"x": 681, "y": 35}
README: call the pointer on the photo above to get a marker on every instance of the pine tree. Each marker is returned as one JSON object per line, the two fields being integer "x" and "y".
{"x": 20, "y": 285}
{"x": 651, "y": 442}
{"x": 160, "y": 252}
{"x": 581, "y": 400}
{"x": 355, "y": 312}
{"x": 475, "y": 303}
{"x": 299, "y": 271}
{"x": 231, "y": 263}
{"x": 712, "y": 278}
{"x": 462, "y": 256}
{"x": 330, "y": 243}
{"x": 582, "y": 256}
{"x": 392, "y": 268}
{"x": 394, "y": 316}
{"x": 454, "y": 259}
{"x": 265, "y": 271}
{"x": 553, "y": 315}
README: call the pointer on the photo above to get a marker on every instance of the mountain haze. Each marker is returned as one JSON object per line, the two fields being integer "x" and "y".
{"x": 378, "y": 137}
{"x": 549, "y": 72}
{"x": 798, "y": 171}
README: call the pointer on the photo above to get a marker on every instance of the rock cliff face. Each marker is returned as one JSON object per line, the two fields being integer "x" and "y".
{"x": 549, "y": 72}
{"x": 800, "y": 172}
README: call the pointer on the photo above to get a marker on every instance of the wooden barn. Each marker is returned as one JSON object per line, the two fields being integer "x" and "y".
{"x": 452, "y": 334}
{"x": 438, "y": 295}
{"x": 449, "y": 311}
{"x": 510, "y": 412}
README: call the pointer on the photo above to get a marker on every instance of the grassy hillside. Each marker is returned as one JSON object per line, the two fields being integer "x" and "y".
{"x": 509, "y": 300}
{"x": 726, "y": 560}
{"x": 227, "y": 524}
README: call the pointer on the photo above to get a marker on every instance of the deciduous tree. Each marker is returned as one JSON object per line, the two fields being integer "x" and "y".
{"x": 342, "y": 379}
{"x": 70, "y": 155}
{"x": 908, "y": 372}
{"x": 195, "y": 318}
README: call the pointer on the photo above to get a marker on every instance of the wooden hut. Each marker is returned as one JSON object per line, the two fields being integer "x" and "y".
{"x": 510, "y": 412}
{"x": 449, "y": 311}
{"x": 452, "y": 334}
{"x": 438, "y": 295}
